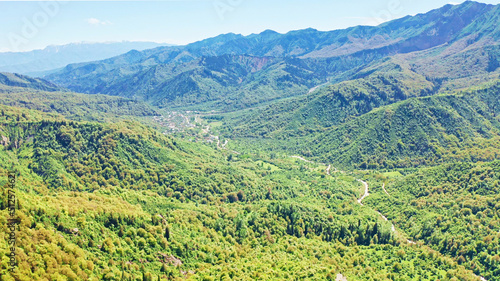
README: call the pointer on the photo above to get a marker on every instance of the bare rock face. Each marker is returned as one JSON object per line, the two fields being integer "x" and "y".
{"x": 340, "y": 277}
{"x": 4, "y": 141}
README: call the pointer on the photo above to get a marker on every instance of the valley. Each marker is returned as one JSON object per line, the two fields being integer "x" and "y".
{"x": 365, "y": 153}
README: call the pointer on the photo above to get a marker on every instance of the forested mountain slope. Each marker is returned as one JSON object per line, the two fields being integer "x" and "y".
{"x": 453, "y": 208}
{"x": 33, "y": 93}
{"x": 428, "y": 130}
{"x": 369, "y": 153}
{"x": 15, "y": 82}
{"x": 420, "y": 131}
{"x": 440, "y": 70}
{"x": 185, "y": 75}
{"x": 333, "y": 105}
{"x": 121, "y": 201}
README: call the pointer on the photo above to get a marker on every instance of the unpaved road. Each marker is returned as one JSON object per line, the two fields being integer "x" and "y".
{"x": 366, "y": 192}
{"x": 383, "y": 187}
{"x": 315, "y": 88}
{"x": 223, "y": 146}
{"x": 301, "y": 158}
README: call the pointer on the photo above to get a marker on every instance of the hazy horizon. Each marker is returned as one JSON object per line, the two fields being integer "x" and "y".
{"x": 35, "y": 25}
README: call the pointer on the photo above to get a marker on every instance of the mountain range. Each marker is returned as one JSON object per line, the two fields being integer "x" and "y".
{"x": 87, "y": 188}
{"x": 40, "y": 62}
{"x": 369, "y": 153}
{"x": 232, "y": 71}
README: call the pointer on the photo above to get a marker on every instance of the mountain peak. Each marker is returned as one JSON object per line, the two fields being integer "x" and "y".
{"x": 306, "y": 30}
{"x": 269, "y": 32}
{"x": 346, "y": 50}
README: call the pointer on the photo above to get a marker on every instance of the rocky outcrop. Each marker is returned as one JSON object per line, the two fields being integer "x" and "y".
{"x": 4, "y": 141}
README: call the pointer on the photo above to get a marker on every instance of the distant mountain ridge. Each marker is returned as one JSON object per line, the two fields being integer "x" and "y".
{"x": 34, "y": 93}
{"x": 53, "y": 57}
{"x": 18, "y": 82}
{"x": 303, "y": 59}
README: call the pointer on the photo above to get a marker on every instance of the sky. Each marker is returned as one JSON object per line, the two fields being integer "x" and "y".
{"x": 25, "y": 26}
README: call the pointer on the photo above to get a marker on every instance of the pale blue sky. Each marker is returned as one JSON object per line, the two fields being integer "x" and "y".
{"x": 34, "y": 25}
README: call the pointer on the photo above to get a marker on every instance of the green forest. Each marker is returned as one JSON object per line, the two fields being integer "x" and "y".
{"x": 366, "y": 153}
{"x": 122, "y": 202}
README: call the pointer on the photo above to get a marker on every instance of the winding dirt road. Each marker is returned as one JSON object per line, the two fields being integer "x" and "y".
{"x": 223, "y": 146}
{"x": 383, "y": 187}
{"x": 302, "y": 158}
{"x": 317, "y": 87}
{"x": 366, "y": 194}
